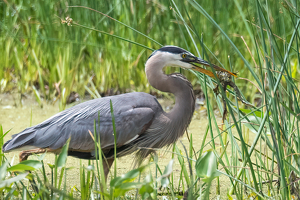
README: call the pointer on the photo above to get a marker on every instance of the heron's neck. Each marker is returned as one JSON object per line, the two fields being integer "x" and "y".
{"x": 184, "y": 97}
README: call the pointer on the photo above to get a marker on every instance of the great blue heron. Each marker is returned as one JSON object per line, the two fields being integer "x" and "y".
{"x": 141, "y": 123}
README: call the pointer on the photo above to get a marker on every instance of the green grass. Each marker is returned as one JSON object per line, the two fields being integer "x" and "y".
{"x": 38, "y": 50}
{"x": 259, "y": 39}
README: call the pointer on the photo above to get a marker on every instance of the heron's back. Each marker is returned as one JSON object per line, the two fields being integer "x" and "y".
{"x": 133, "y": 113}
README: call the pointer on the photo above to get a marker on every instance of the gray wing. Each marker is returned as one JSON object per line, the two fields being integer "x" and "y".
{"x": 134, "y": 112}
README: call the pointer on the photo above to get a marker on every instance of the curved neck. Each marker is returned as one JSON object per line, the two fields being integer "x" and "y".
{"x": 184, "y": 96}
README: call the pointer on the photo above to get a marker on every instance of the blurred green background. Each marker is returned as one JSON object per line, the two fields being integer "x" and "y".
{"x": 38, "y": 51}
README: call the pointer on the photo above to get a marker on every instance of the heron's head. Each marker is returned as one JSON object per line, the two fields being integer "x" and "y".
{"x": 176, "y": 56}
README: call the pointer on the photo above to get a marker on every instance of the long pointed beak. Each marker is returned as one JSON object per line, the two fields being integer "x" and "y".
{"x": 207, "y": 72}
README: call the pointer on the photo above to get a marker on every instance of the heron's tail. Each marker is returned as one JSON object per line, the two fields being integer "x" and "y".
{"x": 25, "y": 138}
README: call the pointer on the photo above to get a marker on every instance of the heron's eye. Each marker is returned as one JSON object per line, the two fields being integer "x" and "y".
{"x": 183, "y": 55}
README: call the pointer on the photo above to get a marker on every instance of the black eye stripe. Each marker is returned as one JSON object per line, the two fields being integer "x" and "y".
{"x": 172, "y": 49}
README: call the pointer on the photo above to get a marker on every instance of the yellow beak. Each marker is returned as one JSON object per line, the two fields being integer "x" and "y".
{"x": 207, "y": 72}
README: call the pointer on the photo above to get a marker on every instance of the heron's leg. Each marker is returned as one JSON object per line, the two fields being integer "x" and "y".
{"x": 25, "y": 154}
{"x": 216, "y": 90}
{"x": 107, "y": 163}
{"x": 224, "y": 87}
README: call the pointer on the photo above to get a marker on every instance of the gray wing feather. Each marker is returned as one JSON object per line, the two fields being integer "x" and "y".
{"x": 133, "y": 111}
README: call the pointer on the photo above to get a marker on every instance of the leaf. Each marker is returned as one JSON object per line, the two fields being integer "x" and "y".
{"x": 131, "y": 175}
{"x": 129, "y": 186}
{"x": 42, "y": 156}
{"x": 30, "y": 176}
{"x": 128, "y": 177}
{"x": 33, "y": 163}
{"x": 20, "y": 167}
{"x": 124, "y": 183}
{"x": 62, "y": 158}
{"x": 146, "y": 189}
{"x": 3, "y": 170}
{"x": 116, "y": 181}
{"x": 90, "y": 168}
{"x": 254, "y": 123}
{"x": 206, "y": 166}
{"x": 258, "y": 113}
{"x": 168, "y": 169}
{"x": 165, "y": 176}
{"x": 26, "y": 165}
{"x": 8, "y": 182}
{"x": 120, "y": 191}
{"x": 182, "y": 165}
{"x": 1, "y": 131}
{"x": 51, "y": 165}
